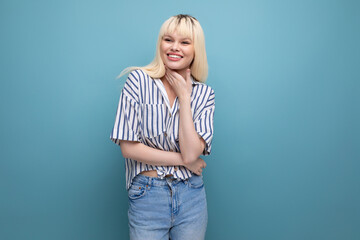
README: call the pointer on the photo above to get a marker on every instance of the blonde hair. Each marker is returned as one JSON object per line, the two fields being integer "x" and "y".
{"x": 187, "y": 26}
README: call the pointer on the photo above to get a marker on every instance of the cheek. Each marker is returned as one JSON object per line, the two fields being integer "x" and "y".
{"x": 192, "y": 52}
{"x": 162, "y": 52}
{"x": 163, "y": 48}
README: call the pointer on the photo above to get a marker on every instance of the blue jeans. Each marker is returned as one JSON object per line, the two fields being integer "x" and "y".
{"x": 167, "y": 208}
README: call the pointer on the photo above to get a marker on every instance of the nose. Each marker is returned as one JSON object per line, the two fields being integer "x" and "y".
{"x": 175, "y": 46}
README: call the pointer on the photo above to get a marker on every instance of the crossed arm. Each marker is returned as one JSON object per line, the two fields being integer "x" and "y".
{"x": 191, "y": 145}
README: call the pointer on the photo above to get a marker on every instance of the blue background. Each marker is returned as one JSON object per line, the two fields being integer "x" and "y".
{"x": 285, "y": 161}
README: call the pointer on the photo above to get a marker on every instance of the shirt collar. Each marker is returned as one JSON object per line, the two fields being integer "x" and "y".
{"x": 161, "y": 86}
{"x": 194, "y": 82}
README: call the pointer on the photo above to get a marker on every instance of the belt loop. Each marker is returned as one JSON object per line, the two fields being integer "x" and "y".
{"x": 149, "y": 182}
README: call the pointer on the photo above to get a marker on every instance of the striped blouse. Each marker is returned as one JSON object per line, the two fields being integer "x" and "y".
{"x": 144, "y": 115}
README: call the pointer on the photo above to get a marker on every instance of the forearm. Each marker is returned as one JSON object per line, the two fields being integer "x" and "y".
{"x": 191, "y": 145}
{"x": 148, "y": 155}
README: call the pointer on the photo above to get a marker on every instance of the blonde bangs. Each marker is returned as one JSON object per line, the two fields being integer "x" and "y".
{"x": 182, "y": 26}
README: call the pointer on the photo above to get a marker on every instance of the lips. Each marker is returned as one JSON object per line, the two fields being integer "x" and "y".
{"x": 174, "y": 56}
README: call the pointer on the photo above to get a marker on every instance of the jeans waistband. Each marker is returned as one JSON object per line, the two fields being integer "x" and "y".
{"x": 153, "y": 181}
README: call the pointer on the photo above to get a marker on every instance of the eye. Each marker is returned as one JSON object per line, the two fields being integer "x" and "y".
{"x": 185, "y": 42}
{"x": 167, "y": 39}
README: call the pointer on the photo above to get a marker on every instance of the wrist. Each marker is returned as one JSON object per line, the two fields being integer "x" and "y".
{"x": 184, "y": 99}
{"x": 182, "y": 162}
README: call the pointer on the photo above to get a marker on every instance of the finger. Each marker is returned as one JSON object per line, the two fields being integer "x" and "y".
{"x": 176, "y": 76}
{"x": 171, "y": 76}
{"x": 170, "y": 72}
{"x": 168, "y": 77}
{"x": 188, "y": 75}
{"x": 197, "y": 172}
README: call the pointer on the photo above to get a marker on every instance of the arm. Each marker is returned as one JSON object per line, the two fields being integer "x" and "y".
{"x": 191, "y": 145}
{"x": 148, "y": 155}
{"x": 145, "y": 154}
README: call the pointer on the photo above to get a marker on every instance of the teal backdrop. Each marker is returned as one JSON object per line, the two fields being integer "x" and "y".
{"x": 285, "y": 163}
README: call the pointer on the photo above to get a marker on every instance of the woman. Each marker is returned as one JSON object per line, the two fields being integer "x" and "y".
{"x": 164, "y": 122}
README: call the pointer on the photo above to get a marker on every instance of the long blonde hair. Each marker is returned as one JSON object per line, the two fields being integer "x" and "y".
{"x": 187, "y": 26}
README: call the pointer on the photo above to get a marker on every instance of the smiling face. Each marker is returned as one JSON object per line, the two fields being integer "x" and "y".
{"x": 177, "y": 51}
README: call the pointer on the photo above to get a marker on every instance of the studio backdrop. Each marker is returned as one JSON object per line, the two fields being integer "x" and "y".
{"x": 285, "y": 157}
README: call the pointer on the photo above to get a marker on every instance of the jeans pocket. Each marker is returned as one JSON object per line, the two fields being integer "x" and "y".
{"x": 136, "y": 191}
{"x": 196, "y": 181}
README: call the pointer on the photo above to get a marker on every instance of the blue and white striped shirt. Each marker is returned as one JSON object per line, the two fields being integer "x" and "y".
{"x": 144, "y": 115}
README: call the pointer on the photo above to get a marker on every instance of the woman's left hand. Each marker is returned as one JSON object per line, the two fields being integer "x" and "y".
{"x": 197, "y": 166}
{"x": 182, "y": 87}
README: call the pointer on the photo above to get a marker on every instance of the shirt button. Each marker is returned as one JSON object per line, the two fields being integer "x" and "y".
{"x": 165, "y": 134}
{"x": 176, "y": 169}
{"x": 169, "y": 114}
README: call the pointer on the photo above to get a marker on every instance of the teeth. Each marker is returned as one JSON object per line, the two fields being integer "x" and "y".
{"x": 174, "y": 56}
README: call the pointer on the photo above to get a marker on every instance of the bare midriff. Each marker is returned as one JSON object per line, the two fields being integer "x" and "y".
{"x": 151, "y": 173}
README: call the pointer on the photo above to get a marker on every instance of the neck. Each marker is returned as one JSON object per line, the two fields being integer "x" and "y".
{"x": 182, "y": 73}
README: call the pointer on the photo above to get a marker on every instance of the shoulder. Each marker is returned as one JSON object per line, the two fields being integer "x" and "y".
{"x": 139, "y": 76}
{"x": 134, "y": 83}
{"x": 203, "y": 89}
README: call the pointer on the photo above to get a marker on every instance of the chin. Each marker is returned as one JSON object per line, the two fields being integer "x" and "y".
{"x": 176, "y": 68}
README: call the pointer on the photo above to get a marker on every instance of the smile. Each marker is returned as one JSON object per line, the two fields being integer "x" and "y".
{"x": 174, "y": 56}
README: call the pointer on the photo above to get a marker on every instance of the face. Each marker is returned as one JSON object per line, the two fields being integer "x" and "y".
{"x": 177, "y": 51}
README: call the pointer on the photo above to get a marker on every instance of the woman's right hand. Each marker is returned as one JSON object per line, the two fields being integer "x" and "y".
{"x": 197, "y": 166}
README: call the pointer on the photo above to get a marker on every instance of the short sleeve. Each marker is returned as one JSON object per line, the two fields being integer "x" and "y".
{"x": 126, "y": 126}
{"x": 204, "y": 122}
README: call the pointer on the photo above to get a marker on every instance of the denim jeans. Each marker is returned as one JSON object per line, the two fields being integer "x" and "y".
{"x": 167, "y": 208}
